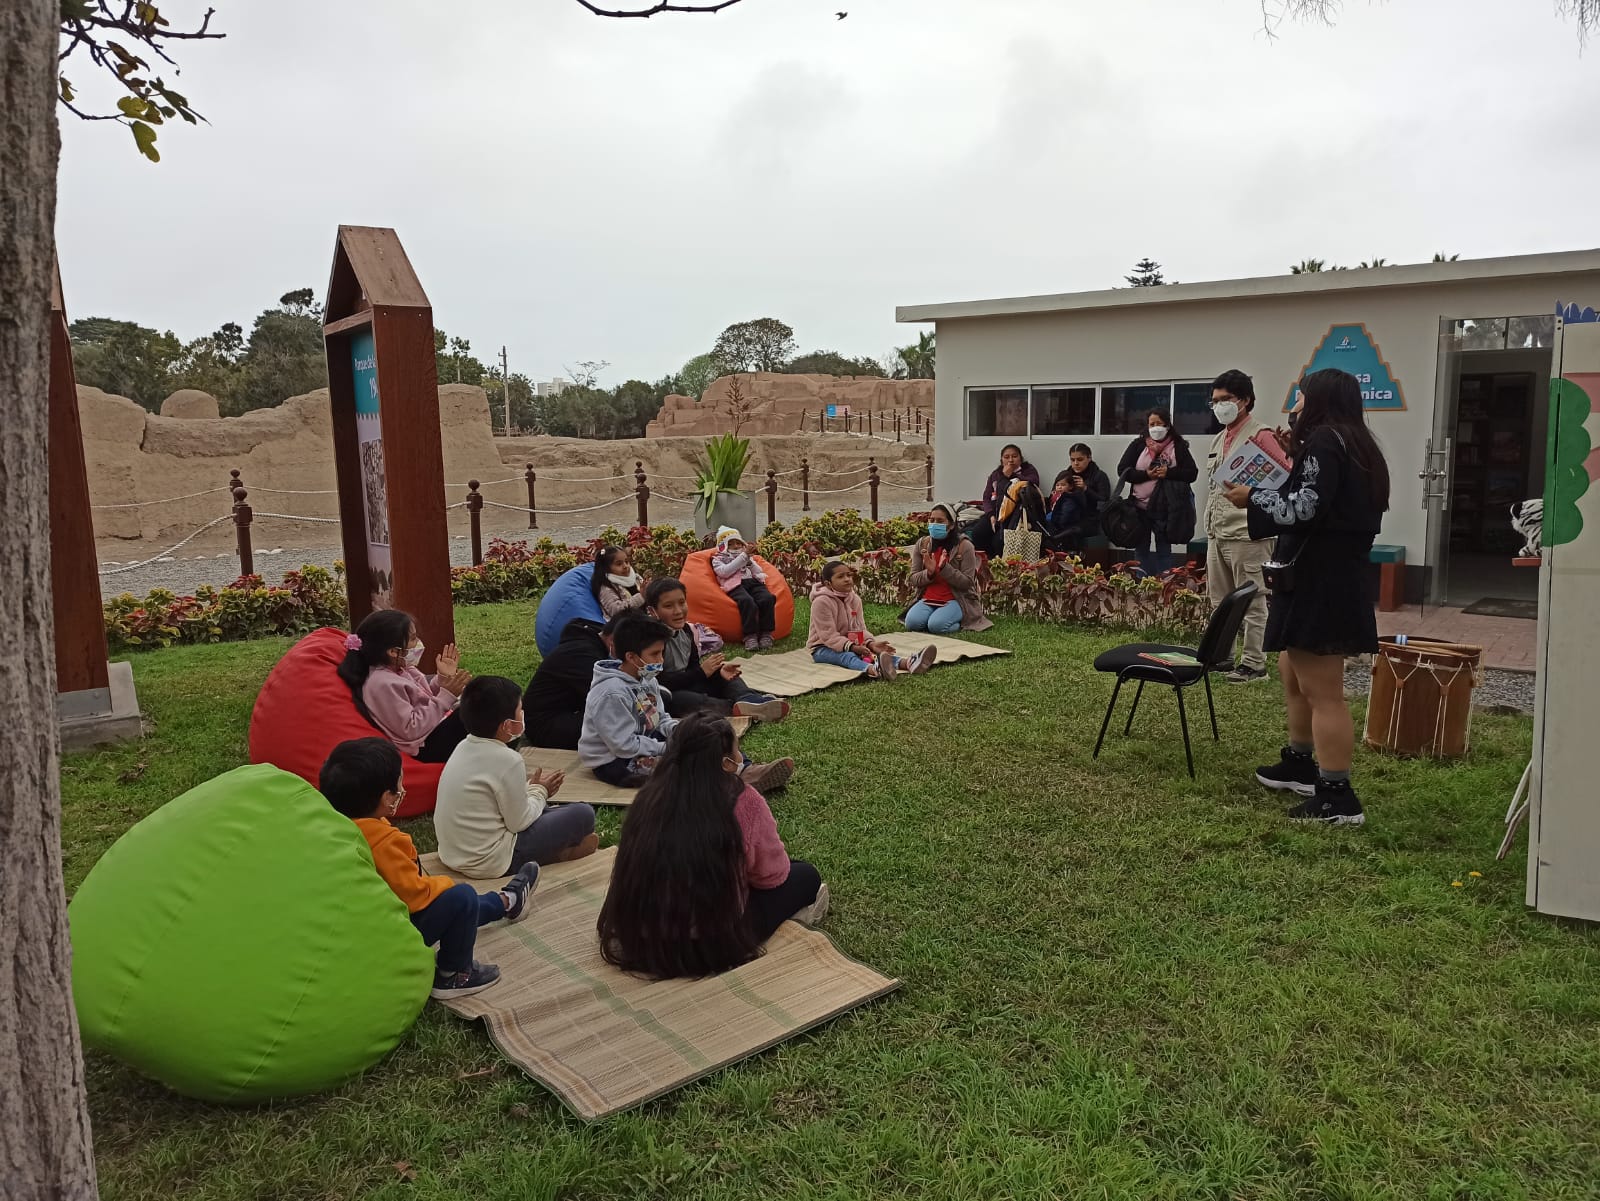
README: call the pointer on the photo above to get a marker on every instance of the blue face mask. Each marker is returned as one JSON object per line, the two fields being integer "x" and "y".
{"x": 646, "y": 670}
{"x": 938, "y": 531}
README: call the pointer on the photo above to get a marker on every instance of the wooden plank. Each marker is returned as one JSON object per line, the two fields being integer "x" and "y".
{"x": 381, "y": 267}
{"x": 345, "y": 324}
{"x": 347, "y": 470}
{"x": 419, "y": 538}
{"x": 74, "y": 572}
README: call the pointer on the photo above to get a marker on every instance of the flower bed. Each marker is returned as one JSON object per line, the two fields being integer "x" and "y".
{"x": 1057, "y": 588}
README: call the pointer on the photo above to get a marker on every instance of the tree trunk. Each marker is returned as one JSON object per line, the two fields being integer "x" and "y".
{"x": 45, "y": 1149}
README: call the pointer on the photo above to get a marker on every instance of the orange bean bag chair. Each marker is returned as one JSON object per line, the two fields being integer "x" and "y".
{"x": 711, "y": 606}
{"x": 305, "y": 710}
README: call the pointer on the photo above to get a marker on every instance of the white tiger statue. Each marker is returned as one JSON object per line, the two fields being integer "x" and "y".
{"x": 1527, "y": 518}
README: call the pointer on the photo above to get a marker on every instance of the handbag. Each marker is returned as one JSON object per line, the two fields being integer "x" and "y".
{"x": 1022, "y": 541}
{"x": 1120, "y": 519}
{"x": 1278, "y": 575}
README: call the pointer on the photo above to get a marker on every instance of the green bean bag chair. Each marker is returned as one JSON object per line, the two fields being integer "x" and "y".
{"x": 238, "y": 945}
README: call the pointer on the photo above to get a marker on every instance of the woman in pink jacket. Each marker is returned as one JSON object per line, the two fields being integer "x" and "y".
{"x": 701, "y": 877}
{"x": 838, "y": 631}
{"x": 415, "y": 712}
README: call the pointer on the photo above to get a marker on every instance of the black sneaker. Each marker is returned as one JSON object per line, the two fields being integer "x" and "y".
{"x": 519, "y": 888}
{"x": 1291, "y": 773}
{"x": 464, "y": 984}
{"x": 1246, "y": 675}
{"x": 1333, "y": 805}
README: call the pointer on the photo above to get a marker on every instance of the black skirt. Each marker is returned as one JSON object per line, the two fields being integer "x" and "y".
{"x": 1332, "y": 608}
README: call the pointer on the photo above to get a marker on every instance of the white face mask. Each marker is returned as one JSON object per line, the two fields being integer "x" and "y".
{"x": 414, "y": 654}
{"x": 1158, "y": 432}
{"x": 625, "y": 581}
{"x": 1226, "y": 412}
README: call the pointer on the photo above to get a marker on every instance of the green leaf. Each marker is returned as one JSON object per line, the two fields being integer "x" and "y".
{"x": 66, "y": 90}
{"x": 145, "y": 136}
{"x": 76, "y": 10}
{"x": 131, "y": 106}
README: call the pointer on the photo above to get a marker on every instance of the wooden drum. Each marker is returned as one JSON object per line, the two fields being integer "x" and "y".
{"x": 1420, "y": 702}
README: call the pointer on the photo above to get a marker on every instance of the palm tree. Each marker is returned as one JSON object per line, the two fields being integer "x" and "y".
{"x": 917, "y": 362}
{"x": 1440, "y": 258}
{"x": 1373, "y": 263}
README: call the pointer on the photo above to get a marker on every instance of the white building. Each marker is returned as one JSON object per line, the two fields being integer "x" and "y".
{"x": 552, "y": 387}
{"x": 1455, "y": 358}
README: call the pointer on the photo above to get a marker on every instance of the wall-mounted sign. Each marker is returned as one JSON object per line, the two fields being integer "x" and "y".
{"x": 374, "y": 482}
{"x": 1351, "y": 348}
{"x": 838, "y": 411}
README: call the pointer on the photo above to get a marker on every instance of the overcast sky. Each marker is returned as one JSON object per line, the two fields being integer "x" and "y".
{"x": 579, "y": 188}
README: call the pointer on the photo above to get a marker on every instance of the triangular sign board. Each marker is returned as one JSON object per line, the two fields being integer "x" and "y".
{"x": 1351, "y": 348}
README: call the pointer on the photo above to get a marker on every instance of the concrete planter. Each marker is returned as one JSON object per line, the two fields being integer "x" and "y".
{"x": 737, "y": 509}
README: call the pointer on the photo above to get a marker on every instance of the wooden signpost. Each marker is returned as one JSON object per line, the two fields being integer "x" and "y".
{"x": 378, "y": 333}
{"x": 95, "y": 700}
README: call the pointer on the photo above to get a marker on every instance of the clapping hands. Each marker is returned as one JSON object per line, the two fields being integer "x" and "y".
{"x": 550, "y": 781}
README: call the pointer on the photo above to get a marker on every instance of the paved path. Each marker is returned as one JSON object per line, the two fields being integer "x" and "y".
{"x": 1508, "y": 642}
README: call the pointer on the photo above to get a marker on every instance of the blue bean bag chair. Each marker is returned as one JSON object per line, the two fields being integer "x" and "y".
{"x": 567, "y": 598}
{"x": 238, "y": 945}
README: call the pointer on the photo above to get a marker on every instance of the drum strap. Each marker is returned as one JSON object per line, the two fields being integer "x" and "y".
{"x": 1442, "y": 678}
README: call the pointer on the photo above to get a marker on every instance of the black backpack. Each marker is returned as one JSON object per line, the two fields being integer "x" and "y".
{"x": 1120, "y": 520}
{"x": 1175, "y": 510}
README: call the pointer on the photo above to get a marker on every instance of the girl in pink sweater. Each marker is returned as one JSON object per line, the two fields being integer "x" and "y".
{"x": 838, "y": 631}
{"x": 415, "y": 712}
{"x": 701, "y": 877}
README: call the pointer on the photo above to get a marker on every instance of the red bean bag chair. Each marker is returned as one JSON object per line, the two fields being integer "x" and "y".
{"x": 305, "y": 710}
{"x": 711, "y": 606}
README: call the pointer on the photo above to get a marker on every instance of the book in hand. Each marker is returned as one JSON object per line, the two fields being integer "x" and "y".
{"x": 1170, "y": 658}
{"x": 1257, "y": 462}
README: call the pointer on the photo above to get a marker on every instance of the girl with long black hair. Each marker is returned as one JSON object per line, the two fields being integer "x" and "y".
{"x": 701, "y": 878}
{"x": 615, "y": 584}
{"x": 1325, "y": 517}
{"x": 415, "y": 712}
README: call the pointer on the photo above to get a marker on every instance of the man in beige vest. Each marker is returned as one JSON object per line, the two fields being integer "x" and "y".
{"x": 1231, "y": 556}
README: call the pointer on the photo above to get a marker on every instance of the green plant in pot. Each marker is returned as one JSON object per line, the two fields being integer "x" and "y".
{"x": 718, "y": 498}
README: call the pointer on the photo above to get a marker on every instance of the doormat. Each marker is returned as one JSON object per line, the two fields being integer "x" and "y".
{"x": 1500, "y": 606}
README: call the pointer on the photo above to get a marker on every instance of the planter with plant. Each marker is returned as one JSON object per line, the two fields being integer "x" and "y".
{"x": 718, "y": 499}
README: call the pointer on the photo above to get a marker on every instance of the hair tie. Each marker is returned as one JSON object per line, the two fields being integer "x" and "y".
{"x": 352, "y": 642}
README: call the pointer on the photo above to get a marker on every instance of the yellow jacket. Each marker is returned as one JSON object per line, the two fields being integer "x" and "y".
{"x": 395, "y": 857}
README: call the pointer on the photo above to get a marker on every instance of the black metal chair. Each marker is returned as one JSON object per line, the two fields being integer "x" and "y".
{"x": 1214, "y": 652}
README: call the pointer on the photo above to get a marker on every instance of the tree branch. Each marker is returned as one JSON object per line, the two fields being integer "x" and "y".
{"x": 663, "y": 7}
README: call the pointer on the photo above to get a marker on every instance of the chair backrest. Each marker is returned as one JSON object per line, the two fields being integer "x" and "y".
{"x": 1223, "y": 630}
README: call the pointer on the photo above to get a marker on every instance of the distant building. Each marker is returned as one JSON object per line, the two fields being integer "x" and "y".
{"x": 554, "y": 387}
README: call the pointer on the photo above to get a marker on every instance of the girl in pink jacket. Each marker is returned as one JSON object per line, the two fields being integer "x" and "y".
{"x": 838, "y": 631}
{"x": 745, "y": 582}
{"x": 415, "y": 712}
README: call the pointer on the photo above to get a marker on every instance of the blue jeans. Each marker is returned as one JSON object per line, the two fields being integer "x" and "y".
{"x": 452, "y": 921}
{"x": 935, "y": 619}
{"x": 845, "y": 659}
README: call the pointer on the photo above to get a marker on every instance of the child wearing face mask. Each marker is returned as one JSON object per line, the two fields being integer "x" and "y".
{"x": 615, "y": 583}
{"x": 414, "y": 711}
{"x": 493, "y": 816}
{"x": 625, "y": 719}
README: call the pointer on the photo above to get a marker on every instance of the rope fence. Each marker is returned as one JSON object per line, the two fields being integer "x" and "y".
{"x": 243, "y": 515}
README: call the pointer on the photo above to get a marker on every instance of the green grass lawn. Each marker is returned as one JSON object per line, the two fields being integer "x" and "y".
{"x": 1118, "y": 982}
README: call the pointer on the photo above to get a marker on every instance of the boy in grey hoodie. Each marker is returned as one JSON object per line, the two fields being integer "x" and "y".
{"x": 625, "y": 720}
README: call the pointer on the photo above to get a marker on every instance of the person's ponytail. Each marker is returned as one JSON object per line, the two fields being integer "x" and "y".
{"x": 379, "y": 633}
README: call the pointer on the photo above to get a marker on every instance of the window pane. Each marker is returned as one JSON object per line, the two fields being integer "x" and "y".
{"x": 1123, "y": 409}
{"x": 1191, "y": 409}
{"x": 1528, "y": 333}
{"x": 997, "y": 412}
{"x": 1063, "y": 411}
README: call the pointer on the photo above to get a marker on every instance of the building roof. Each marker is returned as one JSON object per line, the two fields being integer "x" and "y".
{"x": 1525, "y": 266}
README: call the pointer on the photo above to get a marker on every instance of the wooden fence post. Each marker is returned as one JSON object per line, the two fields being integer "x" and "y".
{"x": 872, "y": 484}
{"x": 772, "y": 496}
{"x": 241, "y": 525}
{"x": 642, "y": 491}
{"x": 475, "y": 519}
{"x": 532, "y": 477}
{"x": 930, "y": 479}
{"x": 805, "y": 484}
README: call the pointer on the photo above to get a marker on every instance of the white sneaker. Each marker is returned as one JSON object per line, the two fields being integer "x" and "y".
{"x": 817, "y": 910}
{"x": 924, "y": 660}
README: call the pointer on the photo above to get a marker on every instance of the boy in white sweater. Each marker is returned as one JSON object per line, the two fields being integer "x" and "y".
{"x": 492, "y": 817}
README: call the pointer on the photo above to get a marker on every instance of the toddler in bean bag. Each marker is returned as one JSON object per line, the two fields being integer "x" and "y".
{"x": 305, "y": 710}
{"x": 711, "y": 606}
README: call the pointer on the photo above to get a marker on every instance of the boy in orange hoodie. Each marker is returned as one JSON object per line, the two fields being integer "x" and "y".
{"x": 362, "y": 780}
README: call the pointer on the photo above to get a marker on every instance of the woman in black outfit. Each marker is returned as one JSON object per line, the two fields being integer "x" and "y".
{"x": 1162, "y": 470}
{"x": 1325, "y": 516}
